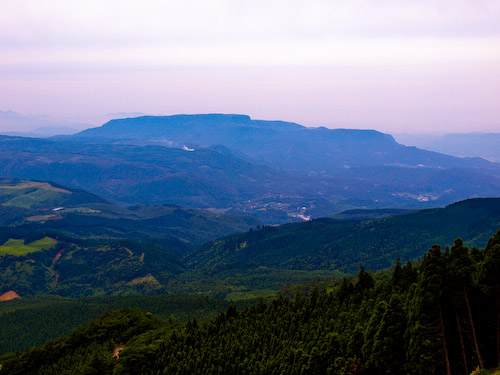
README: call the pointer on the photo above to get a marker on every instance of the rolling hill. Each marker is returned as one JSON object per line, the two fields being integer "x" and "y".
{"x": 347, "y": 244}
{"x": 83, "y": 260}
{"x": 45, "y": 206}
{"x": 204, "y": 178}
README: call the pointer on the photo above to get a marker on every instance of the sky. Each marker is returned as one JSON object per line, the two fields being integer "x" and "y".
{"x": 398, "y": 66}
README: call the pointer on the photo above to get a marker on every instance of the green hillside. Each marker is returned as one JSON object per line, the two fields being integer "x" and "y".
{"x": 19, "y": 247}
{"x": 30, "y": 321}
{"x": 41, "y": 195}
{"x": 90, "y": 258}
{"x": 345, "y": 245}
{"x": 433, "y": 319}
{"x": 79, "y": 268}
{"x": 38, "y": 201}
{"x": 45, "y": 206}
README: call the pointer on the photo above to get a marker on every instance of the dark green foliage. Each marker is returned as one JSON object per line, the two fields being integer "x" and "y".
{"x": 30, "y": 322}
{"x": 345, "y": 245}
{"x": 414, "y": 322}
{"x": 88, "y": 350}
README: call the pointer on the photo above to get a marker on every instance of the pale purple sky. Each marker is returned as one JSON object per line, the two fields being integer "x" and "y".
{"x": 392, "y": 65}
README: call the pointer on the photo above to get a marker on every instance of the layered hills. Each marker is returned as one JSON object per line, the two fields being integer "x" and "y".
{"x": 411, "y": 320}
{"x": 67, "y": 252}
{"x": 346, "y": 244}
{"x": 45, "y": 206}
{"x": 205, "y": 178}
{"x": 98, "y": 248}
{"x": 276, "y": 171}
{"x": 69, "y": 242}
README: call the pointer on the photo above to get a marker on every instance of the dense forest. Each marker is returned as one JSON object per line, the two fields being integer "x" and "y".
{"x": 29, "y": 322}
{"x": 440, "y": 316}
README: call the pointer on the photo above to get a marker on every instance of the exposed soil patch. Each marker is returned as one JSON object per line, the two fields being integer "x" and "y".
{"x": 116, "y": 352}
{"x": 8, "y": 296}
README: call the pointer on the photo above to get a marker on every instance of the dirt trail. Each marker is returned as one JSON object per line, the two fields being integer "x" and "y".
{"x": 56, "y": 258}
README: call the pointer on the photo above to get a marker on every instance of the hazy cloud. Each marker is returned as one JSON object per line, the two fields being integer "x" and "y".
{"x": 76, "y": 56}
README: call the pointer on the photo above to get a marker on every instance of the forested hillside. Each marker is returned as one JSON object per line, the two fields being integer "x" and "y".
{"x": 347, "y": 244}
{"x": 29, "y": 322}
{"x": 83, "y": 255}
{"x": 441, "y": 317}
{"x": 46, "y": 206}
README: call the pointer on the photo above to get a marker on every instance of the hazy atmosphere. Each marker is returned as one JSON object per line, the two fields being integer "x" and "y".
{"x": 250, "y": 187}
{"x": 394, "y": 66}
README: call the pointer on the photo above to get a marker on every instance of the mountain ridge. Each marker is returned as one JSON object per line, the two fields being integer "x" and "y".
{"x": 273, "y": 170}
{"x": 257, "y": 138}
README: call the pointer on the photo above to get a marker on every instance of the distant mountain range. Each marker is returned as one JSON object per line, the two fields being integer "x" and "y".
{"x": 276, "y": 171}
{"x": 288, "y": 146}
{"x": 36, "y": 126}
{"x": 44, "y": 126}
{"x": 484, "y": 145}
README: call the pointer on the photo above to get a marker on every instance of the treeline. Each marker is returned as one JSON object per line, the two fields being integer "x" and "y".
{"x": 442, "y": 317}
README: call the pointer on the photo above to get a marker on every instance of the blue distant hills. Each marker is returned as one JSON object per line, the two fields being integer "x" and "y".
{"x": 276, "y": 171}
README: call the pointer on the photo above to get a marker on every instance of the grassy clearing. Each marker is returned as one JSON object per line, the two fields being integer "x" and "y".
{"x": 84, "y": 210}
{"x": 30, "y": 194}
{"x": 34, "y": 184}
{"x": 40, "y": 218}
{"x": 19, "y": 248}
{"x": 33, "y": 199}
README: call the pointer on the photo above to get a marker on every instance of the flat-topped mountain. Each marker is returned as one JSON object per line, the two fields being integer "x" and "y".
{"x": 276, "y": 171}
{"x": 281, "y": 144}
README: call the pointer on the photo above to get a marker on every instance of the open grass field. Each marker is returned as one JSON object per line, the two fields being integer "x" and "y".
{"x": 31, "y": 194}
{"x": 34, "y": 184}
{"x": 19, "y": 248}
{"x": 41, "y": 218}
